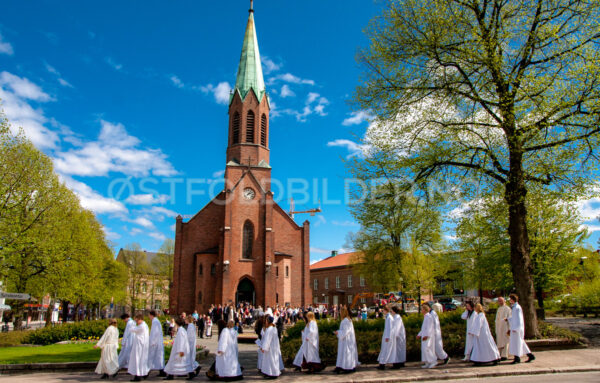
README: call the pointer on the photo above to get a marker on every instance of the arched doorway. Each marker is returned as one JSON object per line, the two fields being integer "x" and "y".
{"x": 245, "y": 292}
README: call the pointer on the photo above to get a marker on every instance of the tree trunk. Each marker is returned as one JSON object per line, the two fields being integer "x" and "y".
{"x": 540, "y": 298}
{"x": 520, "y": 262}
{"x": 65, "y": 311}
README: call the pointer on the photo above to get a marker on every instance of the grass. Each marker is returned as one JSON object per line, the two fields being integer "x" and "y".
{"x": 56, "y": 353}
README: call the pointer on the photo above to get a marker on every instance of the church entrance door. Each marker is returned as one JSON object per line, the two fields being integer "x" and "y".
{"x": 245, "y": 292}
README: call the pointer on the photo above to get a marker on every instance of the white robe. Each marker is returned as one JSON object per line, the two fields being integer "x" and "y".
{"x": 227, "y": 363}
{"x": 271, "y": 363}
{"x": 178, "y": 365}
{"x": 502, "y": 328}
{"x": 191, "y": 337}
{"x": 400, "y": 332}
{"x": 387, "y": 354}
{"x": 484, "y": 347}
{"x": 428, "y": 346}
{"x": 109, "y": 343}
{"x": 126, "y": 344}
{"x": 439, "y": 343}
{"x": 469, "y": 343}
{"x": 347, "y": 354}
{"x": 156, "y": 353}
{"x": 138, "y": 360}
{"x": 310, "y": 345}
{"x": 517, "y": 345}
{"x": 259, "y": 344}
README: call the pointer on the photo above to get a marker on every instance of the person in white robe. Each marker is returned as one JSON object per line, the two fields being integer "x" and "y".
{"x": 138, "y": 359}
{"x": 427, "y": 336}
{"x": 400, "y": 332}
{"x": 468, "y": 315}
{"x": 516, "y": 322}
{"x": 156, "y": 353}
{"x": 108, "y": 365}
{"x": 308, "y": 354}
{"x": 347, "y": 353}
{"x": 191, "y": 337}
{"x": 439, "y": 343}
{"x": 178, "y": 364}
{"x": 484, "y": 347}
{"x": 387, "y": 354}
{"x": 271, "y": 363}
{"x": 227, "y": 365}
{"x": 259, "y": 344}
{"x": 502, "y": 339}
{"x": 126, "y": 341}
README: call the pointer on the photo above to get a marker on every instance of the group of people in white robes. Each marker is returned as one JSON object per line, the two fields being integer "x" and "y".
{"x": 480, "y": 347}
{"x": 393, "y": 341}
{"x": 142, "y": 349}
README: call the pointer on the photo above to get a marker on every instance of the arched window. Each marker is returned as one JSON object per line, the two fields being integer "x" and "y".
{"x": 263, "y": 130}
{"x": 236, "y": 128}
{"x": 248, "y": 241}
{"x": 250, "y": 127}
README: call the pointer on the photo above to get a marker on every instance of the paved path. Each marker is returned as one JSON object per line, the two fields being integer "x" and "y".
{"x": 588, "y": 327}
{"x": 571, "y": 361}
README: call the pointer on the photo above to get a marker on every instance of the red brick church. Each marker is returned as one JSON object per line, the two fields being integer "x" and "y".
{"x": 242, "y": 246}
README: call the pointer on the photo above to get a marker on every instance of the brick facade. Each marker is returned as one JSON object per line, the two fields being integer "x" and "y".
{"x": 327, "y": 272}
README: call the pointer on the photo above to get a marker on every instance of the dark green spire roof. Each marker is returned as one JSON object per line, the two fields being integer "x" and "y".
{"x": 249, "y": 75}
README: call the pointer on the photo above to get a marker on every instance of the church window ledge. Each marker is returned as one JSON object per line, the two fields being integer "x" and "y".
{"x": 246, "y": 260}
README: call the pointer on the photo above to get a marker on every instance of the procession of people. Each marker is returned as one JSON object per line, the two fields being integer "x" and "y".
{"x": 142, "y": 349}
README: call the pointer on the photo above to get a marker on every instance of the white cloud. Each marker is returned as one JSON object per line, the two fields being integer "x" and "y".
{"x": 172, "y": 227}
{"x": 147, "y": 199}
{"x": 92, "y": 200}
{"x": 590, "y": 208}
{"x": 15, "y": 93}
{"x": 288, "y": 77}
{"x": 319, "y": 250}
{"x": 23, "y": 88}
{"x": 286, "y": 91}
{"x": 6, "y": 47}
{"x": 269, "y": 65}
{"x": 157, "y": 213}
{"x": 221, "y": 92}
{"x": 354, "y": 149}
{"x": 218, "y": 174}
{"x": 110, "y": 235}
{"x": 135, "y": 231}
{"x": 113, "y": 64}
{"x": 157, "y": 235}
{"x": 55, "y": 72}
{"x": 143, "y": 221}
{"x": 450, "y": 237}
{"x": 315, "y": 104}
{"x": 176, "y": 81}
{"x": 357, "y": 118}
{"x": 114, "y": 151}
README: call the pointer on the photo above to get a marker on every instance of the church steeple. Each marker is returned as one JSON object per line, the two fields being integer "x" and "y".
{"x": 250, "y": 75}
{"x": 248, "y": 143}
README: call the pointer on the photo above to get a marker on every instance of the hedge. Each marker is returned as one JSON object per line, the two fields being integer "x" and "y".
{"x": 369, "y": 333}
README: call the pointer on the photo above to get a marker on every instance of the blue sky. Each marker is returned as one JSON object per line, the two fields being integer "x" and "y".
{"x": 130, "y": 101}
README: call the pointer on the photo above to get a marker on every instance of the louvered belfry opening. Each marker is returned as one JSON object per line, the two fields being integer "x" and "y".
{"x": 236, "y": 128}
{"x": 250, "y": 127}
{"x": 263, "y": 130}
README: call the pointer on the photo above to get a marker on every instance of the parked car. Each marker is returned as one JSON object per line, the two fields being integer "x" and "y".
{"x": 449, "y": 307}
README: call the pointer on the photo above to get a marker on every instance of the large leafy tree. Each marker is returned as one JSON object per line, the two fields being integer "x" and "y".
{"x": 502, "y": 92}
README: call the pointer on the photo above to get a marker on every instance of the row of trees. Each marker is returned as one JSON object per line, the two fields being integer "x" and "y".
{"x": 487, "y": 98}
{"x": 49, "y": 244}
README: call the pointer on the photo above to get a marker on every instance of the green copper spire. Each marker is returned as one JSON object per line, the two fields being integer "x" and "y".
{"x": 249, "y": 73}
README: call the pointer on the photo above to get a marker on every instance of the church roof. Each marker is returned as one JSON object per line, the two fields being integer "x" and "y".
{"x": 250, "y": 75}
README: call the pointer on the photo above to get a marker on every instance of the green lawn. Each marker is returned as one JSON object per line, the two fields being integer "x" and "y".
{"x": 56, "y": 353}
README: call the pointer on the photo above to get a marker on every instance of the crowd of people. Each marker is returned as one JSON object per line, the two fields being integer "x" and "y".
{"x": 142, "y": 349}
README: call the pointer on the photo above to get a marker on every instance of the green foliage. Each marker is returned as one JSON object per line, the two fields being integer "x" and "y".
{"x": 59, "y": 353}
{"x": 13, "y": 338}
{"x": 70, "y": 331}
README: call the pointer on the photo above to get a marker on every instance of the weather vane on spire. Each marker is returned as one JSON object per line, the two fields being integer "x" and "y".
{"x": 251, "y": 6}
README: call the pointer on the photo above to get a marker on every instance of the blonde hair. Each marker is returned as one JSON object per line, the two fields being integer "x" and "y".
{"x": 310, "y": 316}
{"x": 112, "y": 322}
{"x": 344, "y": 313}
{"x": 479, "y": 308}
{"x": 230, "y": 324}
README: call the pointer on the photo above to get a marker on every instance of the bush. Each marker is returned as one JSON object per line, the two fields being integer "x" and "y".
{"x": 12, "y": 338}
{"x": 70, "y": 331}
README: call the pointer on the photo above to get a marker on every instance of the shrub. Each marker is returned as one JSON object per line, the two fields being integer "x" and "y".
{"x": 12, "y": 338}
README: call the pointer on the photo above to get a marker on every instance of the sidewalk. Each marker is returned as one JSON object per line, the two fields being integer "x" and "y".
{"x": 547, "y": 362}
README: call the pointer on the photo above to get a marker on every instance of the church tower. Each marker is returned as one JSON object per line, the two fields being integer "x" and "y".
{"x": 248, "y": 139}
{"x": 242, "y": 246}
